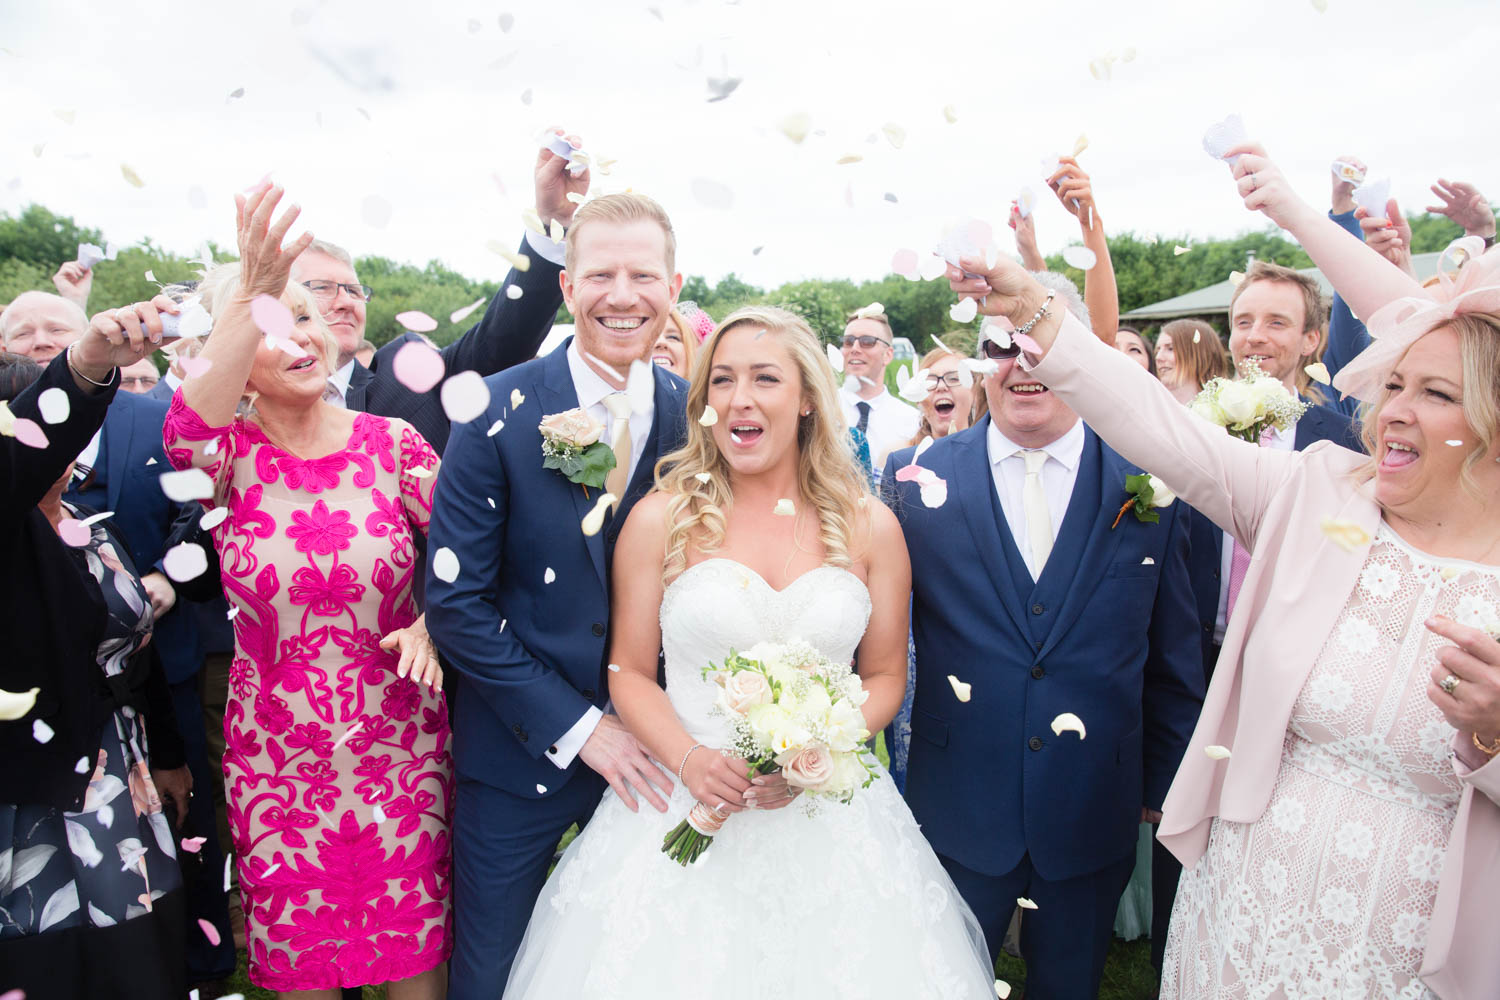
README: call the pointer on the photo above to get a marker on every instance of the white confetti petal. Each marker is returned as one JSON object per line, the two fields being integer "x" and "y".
{"x": 464, "y": 396}
{"x": 594, "y": 519}
{"x": 358, "y": 725}
{"x": 459, "y": 315}
{"x": 1068, "y": 722}
{"x": 708, "y": 417}
{"x": 516, "y": 399}
{"x": 188, "y": 484}
{"x": 1179, "y": 250}
{"x": 894, "y": 134}
{"x": 40, "y": 731}
{"x": 1216, "y": 752}
{"x": 495, "y": 428}
{"x": 514, "y": 292}
{"x": 964, "y": 311}
{"x": 614, "y": 668}
{"x": 211, "y": 519}
{"x": 950, "y": 114}
{"x": 1025, "y": 903}
{"x": 185, "y": 561}
{"x": 541, "y": 789}
{"x": 796, "y": 126}
{"x": 233, "y": 613}
{"x": 784, "y": 508}
{"x": 445, "y": 564}
{"x": 549, "y": 576}
{"x": 1080, "y": 257}
{"x": 1345, "y": 534}
{"x": 54, "y": 405}
{"x": 1454, "y": 443}
{"x": 227, "y": 859}
{"x": 15, "y": 704}
{"x": 532, "y": 221}
{"x": 377, "y": 813}
{"x": 82, "y": 767}
{"x": 1002, "y": 989}
{"x": 961, "y": 690}
{"x": 1318, "y": 372}
{"x": 1148, "y": 561}
{"x": 640, "y": 387}
{"x": 492, "y": 503}
{"x": 835, "y": 358}
{"x": 703, "y": 477}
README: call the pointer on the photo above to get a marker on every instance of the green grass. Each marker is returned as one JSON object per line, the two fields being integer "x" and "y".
{"x": 1127, "y": 971}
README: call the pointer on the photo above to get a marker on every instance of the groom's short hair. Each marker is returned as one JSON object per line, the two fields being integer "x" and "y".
{"x": 619, "y": 209}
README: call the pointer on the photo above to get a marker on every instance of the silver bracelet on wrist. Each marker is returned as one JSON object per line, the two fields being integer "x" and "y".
{"x": 74, "y": 368}
{"x": 681, "y": 767}
{"x": 1038, "y": 317}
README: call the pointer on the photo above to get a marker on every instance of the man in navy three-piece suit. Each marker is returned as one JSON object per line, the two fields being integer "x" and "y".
{"x": 524, "y": 624}
{"x": 1037, "y": 603}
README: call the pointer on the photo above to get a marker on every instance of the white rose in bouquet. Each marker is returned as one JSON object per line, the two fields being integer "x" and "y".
{"x": 765, "y": 720}
{"x": 1237, "y": 402}
{"x": 846, "y": 726}
{"x": 850, "y": 775}
{"x": 745, "y": 690}
{"x": 809, "y": 768}
{"x": 571, "y": 428}
{"x": 1203, "y": 405}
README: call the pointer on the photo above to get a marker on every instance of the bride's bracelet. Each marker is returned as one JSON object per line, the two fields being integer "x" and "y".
{"x": 683, "y": 765}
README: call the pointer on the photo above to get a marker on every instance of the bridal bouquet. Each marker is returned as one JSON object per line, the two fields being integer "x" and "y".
{"x": 1246, "y": 406}
{"x": 792, "y": 710}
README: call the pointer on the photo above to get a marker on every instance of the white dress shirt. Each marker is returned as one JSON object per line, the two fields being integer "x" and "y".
{"x": 591, "y": 390}
{"x": 1281, "y": 442}
{"x": 173, "y": 382}
{"x": 1008, "y": 467}
{"x": 893, "y": 422}
{"x": 337, "y": 392}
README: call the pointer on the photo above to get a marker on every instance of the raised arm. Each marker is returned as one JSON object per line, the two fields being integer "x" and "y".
{"x": 264, "y": 267}
{"x": 1100, "y": 292}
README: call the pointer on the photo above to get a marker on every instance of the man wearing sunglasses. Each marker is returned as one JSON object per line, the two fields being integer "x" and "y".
{"x": 518, "y": 317}
{"x": 887, "y": 422}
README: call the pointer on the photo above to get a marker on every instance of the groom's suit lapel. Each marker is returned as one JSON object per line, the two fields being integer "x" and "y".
{"x": 667, "y": 431}
{"x": 557, "y": 393}
{"x": 974, "y": 485}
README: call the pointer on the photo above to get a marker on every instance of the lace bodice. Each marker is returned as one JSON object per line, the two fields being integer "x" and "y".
{"x": 719, "y": 604}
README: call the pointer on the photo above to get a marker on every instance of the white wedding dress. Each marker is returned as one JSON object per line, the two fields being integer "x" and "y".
{"x": 849, "y": 902}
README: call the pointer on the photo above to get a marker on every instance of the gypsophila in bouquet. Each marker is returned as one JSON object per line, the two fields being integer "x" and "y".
{"x": 792, "y": 710}
{"x": 1247, "y": 405}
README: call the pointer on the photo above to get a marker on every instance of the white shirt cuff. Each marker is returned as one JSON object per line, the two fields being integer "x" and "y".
{"x": 546, "y": 248}
{"x": 564, "y": 750}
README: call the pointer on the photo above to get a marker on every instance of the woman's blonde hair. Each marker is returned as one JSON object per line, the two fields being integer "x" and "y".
{"x": 1479, "y": 355}
{"x": 222, "y": 282}
{"x": 689, "y": 339}
{"x": 1196, "y": 349}
{"x": 830, "y": 480}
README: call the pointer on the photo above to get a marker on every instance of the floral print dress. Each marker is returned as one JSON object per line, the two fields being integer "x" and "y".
{"x": 1330, "y": 892}
{"x": 337, "y": 773}
{"x": 102, "y": 873}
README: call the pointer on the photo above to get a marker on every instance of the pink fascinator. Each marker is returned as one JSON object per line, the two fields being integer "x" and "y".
{"x": 700, "y": 322}
{"x": 1397, "y": 325}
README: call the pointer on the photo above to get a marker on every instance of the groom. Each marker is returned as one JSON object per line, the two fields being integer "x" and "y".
{"x": 1062, "y": 611}
{"x": 524, "y": 623}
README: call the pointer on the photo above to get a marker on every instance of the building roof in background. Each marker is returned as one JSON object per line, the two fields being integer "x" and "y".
{"x": 1214, "y": 300}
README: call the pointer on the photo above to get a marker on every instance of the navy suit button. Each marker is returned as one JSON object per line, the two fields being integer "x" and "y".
{"x": 597, "y": 628}
{"x": 1037, "y": 609}
{"x": 523, "y": 737}
{"x": 1037, "y": 672}
{"x": 1035, "y": 743}
{"x": 588, "y": 693}
{"x": 516, "y": 729}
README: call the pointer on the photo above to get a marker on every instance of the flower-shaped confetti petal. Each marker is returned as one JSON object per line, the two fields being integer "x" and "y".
{"x": 1345, "y": 534}
{"x": 708, "y": 417}
{"x": 445, "y": 564}
{"x": 516, "y": 399}
{"x": 15, "y": 704}
{"x": 964, "y": 311}
{"x": 960, "y": 688}
{"x": 211, "y": 519}
{"x": 1080, "y": 257}
{"x": 1216, "y": 752}
{"x": 188, "y": 484}
{"x": 594, "y": 519}
{"x": 459, "y": 315}
{"x": 185, "y": 561}
{"x": 1025, "y": 903}
{"x": 465, "y": 396}
{"x": 1318, "y": 372}
{"x": 796, "y": 126}
{"x": 835, "y": 358}
{"x": 784, "y": 508}
{"x": 550, "y": 576}
{"x": 209, "y": 931}
{"x": 54, "y": 406}
{"x": 416, "y": 321}
{"x": 74, "y": 532}
{"x": 417, "y": 366}
{"x": 1068, "y": 722}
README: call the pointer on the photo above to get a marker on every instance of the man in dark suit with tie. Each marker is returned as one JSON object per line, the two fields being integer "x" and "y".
{"x": 1027, "y": 592}
{"x": 515, "y": 323}
{"x": 524, "y": 620}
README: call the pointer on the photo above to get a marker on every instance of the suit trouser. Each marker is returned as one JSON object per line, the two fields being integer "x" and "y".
{"x": 1166, "y": 872}
{"x": 502, "y": 848}
{"x": 1064, "y": 941}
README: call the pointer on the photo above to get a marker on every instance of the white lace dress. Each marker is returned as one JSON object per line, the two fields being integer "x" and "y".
{"x": 1328, "y": 894}
{"x": 848, "y": 903}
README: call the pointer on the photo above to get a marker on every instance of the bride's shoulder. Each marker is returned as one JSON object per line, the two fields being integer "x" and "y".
{"x": 648, "y": 519}
{"x": 877, "y": 533}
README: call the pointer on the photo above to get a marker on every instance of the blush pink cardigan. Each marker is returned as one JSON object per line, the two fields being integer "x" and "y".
{"x": 1297, "y": 583}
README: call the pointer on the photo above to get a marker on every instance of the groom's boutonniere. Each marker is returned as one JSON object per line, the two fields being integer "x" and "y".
{"x": 1147, "y": 495}
{"x": 571, "y": 445}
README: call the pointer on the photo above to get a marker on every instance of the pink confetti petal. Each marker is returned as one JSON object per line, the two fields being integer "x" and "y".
{"x": 418, "y": 367}
{"x": 273, "y": 318}
{"x": 193, "y": 367}
{"x": 904, "y": 263}
{"x": 416, "y": 321}
{"x": 459, "y": 315}
{"x": 193, "y": 844}
{"x": 209, "y": 931}
{"x": 74, "y": 532}
{"x": 1028, "y": 345}
{"x": 30, "y": 433}
{"x": 465, "y": 396}
{"x": 261, "y": 185}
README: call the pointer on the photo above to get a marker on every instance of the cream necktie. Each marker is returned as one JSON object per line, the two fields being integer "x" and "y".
{"x": 618, "y": 478}
{"x": 1034, "y": 502}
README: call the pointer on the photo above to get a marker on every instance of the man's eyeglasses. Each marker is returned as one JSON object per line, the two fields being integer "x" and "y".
{"x": 935, "y": 381}
{"x": 327, "y": 291}
{"x": 866, "y": 341}
{"x": 995, "y": 352}
{"x": 144, "y": 381}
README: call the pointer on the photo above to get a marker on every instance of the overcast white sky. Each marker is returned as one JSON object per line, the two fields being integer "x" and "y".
{"x": 454, "y": 103}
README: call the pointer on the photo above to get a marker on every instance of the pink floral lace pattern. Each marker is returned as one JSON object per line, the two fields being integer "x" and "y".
{"x": 339, "y": 776}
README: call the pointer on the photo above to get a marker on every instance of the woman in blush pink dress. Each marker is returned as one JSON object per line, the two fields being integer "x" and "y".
{"x": 337, "y": 768}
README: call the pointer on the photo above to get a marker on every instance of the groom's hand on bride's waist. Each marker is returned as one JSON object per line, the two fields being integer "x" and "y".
{"x": 617, "y": 755}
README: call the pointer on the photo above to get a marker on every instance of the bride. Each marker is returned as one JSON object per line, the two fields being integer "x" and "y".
{"x": 761, "y": 529}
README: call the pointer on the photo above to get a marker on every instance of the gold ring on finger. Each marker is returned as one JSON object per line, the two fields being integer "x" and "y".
{"x": 1449, "y": 685}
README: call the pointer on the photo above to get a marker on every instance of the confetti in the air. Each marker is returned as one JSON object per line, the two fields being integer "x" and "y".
{"x": 54, "y": 406}
{"x": 703, "y": 477}
{"x": 211, "y": 519}
{"x": 835, "y": 357}
{"x": 904, "y": 263}
{"x": 796, "y": 126}
{"x": 420, "y": 472}
{"x": 541, "y": 789}
{"x": 465, "y": 396}
{"x": 708, "y": 417}
{"x": 1068, "y": 722}
{"x": 1080, "y": 144}
{"x": 720, "y": 87}
{"x": 1318, "y": 372}
{"x": 894, "y": 134}
{"x": 1179, "y": 250}
{"x": 358, "y": 725}
{"x": 234, "y": 95}
{"x": 594, "y": 519}
{"x": 232, "y": 614}
{"x": 519, "y": 261}
{"x": 1148, "y": 561}
{"x": 964, "y": 311}
{"x": 416, "y": 321}
{"x": 29, "y": 432}
{"x": 1002, "y": 989}
{"x": 784, "y": 508}
{"x": 514, "y": 292}
{"x": 614, "y": 668}
{"x": 82, "y": 767}
{"x": 1197, "y": 336}
{"x": 188, "y": 484}
{"x": 507, "y": 21}
{"x": 445, "y": 564}
{"x": 950, "y": 114}
{"x": 1025, "y": 903}
{"x": 1454, "y": 443}
{"x": 495, "y": 428}
{"x": 1235, "y": 277}
{"x": 961, "y": 689}
{"x": 550, "y": 576}
{"x": 848, "y": 158}
{"x": 1216, "y": 752}
{"x": 377, "y": 813}
{"x": 209, "y": 931}
{"x": 15, "y": 704}
{"x": 41, "y": 732}
{"x": 74, "y": 532}
{"x": 131, "y": 177}
{"x": 1345, "y": 534}
{"x": 1080, "y": 257}
{"x": 273, "y": 318}
{"x": 516, "y": 399}
{"x": 417, "y": 366}
{"x": 185, "y": 561}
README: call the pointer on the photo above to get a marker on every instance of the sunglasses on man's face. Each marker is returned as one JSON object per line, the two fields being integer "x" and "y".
{"x": 995, "y": 352}
{"x": 866, "y": 341}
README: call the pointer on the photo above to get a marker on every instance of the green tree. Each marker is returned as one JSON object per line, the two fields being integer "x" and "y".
{"x": 38, "y": 237}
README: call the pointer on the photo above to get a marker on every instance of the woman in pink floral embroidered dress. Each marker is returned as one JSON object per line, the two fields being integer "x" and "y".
{"x": 337, "y": 768}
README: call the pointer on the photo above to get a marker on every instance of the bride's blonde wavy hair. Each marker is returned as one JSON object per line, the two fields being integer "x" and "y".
{"x": 828, "y": 475}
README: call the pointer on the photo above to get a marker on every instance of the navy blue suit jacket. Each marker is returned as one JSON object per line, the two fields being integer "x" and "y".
{"x": 1206, "y": 539}
{"x": 143, "y": 516}
{"x": 1105, "y": 633}
{"x": 528, "y": 656}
